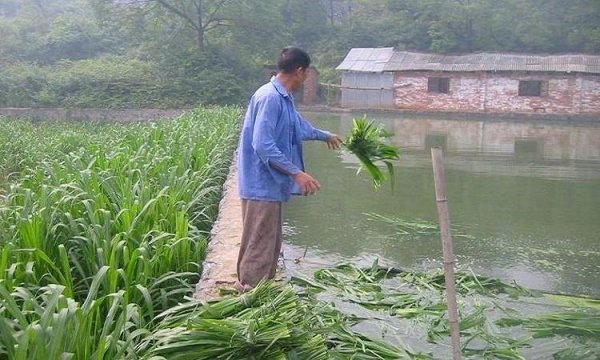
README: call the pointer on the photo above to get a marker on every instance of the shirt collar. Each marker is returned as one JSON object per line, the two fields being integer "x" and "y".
{"x": 279, "y": 87}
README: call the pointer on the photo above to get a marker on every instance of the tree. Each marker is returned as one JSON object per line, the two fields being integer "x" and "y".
{"x": 201, "y": 16}
{"x": 49, "y": 31}
{"x": 306, "y": 21}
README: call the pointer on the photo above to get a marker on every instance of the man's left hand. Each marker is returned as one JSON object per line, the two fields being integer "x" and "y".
{"x": 334, "y": 142}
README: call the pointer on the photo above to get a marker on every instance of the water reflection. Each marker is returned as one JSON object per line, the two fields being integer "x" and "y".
{"x": 532, "y": 148}
{"x": 527, "y": 192}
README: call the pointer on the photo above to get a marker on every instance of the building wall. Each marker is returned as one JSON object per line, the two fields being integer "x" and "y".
{"x": 310, "y": 87}
{"x": 367, "y": 90}
{"x": 499, "y": 93}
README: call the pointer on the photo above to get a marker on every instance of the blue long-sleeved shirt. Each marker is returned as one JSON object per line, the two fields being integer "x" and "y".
{"x": 271, "y": 144}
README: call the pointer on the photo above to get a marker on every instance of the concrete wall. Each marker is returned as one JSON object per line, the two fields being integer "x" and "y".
{"x": 367, "y": 90}
{"x": 486, "y": 92}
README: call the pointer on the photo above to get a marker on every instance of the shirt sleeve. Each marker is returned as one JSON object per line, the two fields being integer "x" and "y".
{"x": 310, "y": 132}
{"x": 264, "y": 136}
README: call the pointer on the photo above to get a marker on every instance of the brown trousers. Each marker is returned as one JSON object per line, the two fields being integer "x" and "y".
{"x": 261, "y": 241}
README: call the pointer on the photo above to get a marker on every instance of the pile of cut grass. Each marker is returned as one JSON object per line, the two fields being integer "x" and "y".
{"x": 270, "y": 322}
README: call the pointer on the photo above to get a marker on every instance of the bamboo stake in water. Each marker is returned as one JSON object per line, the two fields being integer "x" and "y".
{"x": 447, "y": 247}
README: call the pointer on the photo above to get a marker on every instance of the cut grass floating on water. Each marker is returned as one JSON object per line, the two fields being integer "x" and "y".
{"x": 352, "y": 279}
{"x": 579, "y": 301}
{"x": 416, "y": 227}
{"x": 481, "y": 337}
{"x": 424, "y": 303}
{"x": 578, "y": 354}
{"x": 467, "y": 284}
{"x": 367, "y": 143}
{"x": 580, "y": 323}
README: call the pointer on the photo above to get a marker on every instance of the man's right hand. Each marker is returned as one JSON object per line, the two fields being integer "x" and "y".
{"x": 308, "y": 184}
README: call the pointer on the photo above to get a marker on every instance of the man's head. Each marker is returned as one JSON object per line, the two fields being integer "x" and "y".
{"x": 292, "y": 58}
{"x": 292, "y": 65}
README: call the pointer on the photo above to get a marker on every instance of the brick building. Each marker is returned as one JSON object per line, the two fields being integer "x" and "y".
{"x": 310, "y": 88}
{"x": 475, "y": 83}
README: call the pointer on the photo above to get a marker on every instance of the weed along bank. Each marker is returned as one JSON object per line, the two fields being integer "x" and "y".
{"x": 493, "y": 83}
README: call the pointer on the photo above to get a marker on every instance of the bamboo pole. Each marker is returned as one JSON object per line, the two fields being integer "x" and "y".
{"x": 439, "y": 176}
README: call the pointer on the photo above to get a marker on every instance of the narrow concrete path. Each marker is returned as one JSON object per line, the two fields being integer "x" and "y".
{"x": 220, "y": 266}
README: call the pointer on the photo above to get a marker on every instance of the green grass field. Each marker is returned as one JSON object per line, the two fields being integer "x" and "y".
{"x": 102, "y": 227}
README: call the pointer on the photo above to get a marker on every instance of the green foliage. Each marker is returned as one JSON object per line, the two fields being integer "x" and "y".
{"x": 306, "y": 22}
{"x": 49, "y": 31}
{"x": 213, "y": 51}
{"x": 582, "y": 323}
{"x": 270, "y": 322}
{"x": 120, "y": 82}
{"x": 102, "y": 227}
{"x": 366, "y": 142}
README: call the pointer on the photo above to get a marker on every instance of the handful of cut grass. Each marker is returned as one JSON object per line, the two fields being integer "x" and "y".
{"x": 367, "y": 143}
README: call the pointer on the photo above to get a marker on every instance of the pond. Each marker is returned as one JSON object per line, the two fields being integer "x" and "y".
{"x": 524, "y": 196}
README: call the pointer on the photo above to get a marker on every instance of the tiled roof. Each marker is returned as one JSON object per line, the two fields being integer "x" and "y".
{"x": 367, "y": 59}
{"x": 377, "y": 60}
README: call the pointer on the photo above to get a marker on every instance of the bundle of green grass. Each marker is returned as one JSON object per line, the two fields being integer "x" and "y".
{"x": 270, "y": 322}
{"x": 368, "y": 143}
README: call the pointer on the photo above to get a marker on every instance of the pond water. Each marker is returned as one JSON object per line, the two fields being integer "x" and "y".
{"x": 526, "y": 193}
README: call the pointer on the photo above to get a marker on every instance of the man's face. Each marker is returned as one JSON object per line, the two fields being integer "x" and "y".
{"x": 300, "y": 75}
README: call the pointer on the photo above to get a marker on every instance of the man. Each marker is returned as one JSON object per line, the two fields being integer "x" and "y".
{"x": 271, "y": 166}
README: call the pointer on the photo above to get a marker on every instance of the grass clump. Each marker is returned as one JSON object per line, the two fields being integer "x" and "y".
{"x": 367, "y": 143}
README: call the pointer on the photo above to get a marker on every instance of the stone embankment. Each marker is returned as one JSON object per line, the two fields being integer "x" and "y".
{"x": 220, "y": 266}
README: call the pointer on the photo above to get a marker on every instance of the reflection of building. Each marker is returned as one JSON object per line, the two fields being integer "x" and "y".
{"x": 485, "y": 83}
{"x": 551, "y": 141}
{"x": 502, "y": 147}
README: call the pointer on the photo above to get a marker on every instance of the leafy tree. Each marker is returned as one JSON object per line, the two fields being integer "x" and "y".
{"x": 581, "y": 27}
{"x": 201, "y": 16}
{"x": 306, "y": 21}
{"x": 48, "y": 31}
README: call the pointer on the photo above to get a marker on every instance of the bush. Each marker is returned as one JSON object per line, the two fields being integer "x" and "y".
{"x": 125, "y": 82}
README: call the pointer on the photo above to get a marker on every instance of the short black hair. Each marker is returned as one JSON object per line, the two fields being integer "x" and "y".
{"x": 292, "y": 58}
